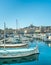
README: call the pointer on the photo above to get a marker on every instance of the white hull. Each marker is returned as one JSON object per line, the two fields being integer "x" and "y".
{"x": 14, "y": 45}
{"x": 18, "y": 53}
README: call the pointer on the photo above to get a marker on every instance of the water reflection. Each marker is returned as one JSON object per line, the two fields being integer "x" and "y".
{"x": 19, "y": 60}
{"x": 48, "y": 43}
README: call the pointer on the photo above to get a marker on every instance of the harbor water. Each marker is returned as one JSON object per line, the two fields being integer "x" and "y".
{"x": 43, "y": 58}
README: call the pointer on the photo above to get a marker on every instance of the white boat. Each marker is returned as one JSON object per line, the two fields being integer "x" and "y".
{"x": 12, "y": 42}
{"x": 47, "y": 38}
{"x": 12, "y": 53}
{"x": 14, "y": 45}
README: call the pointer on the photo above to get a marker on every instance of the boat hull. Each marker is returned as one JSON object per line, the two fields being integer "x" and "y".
{"x": 13, "y": 45}
{"x": 18, "y": 53}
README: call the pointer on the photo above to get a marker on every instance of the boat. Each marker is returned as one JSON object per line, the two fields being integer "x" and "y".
{"x": 14, "y": 45}
{"x": 13, "y": 42}
{"x": 47, "y": 38}
{"x": 12, "y": 53}
{"x": 15, "y": 52}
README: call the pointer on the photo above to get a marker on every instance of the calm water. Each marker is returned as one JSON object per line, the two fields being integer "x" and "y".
{"x": 44, "y": 58}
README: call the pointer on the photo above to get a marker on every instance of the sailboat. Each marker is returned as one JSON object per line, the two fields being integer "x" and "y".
{"x": 12, "y": 42}
{"x": 16, "y": 52}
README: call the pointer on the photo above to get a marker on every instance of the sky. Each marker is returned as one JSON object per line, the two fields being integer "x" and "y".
{"x": 36, "y": 12}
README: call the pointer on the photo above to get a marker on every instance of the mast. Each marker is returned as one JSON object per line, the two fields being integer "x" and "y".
{"x": 16, "y": 25}
{"x": 4, "y": 34}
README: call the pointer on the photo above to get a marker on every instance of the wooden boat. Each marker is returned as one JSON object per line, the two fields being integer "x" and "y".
{"x": 13, "y": 45}
{"x": 12, "y": 53}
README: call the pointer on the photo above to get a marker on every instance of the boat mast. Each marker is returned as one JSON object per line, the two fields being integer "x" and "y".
{"x": 16, "y": 26}
{"x": 4, "y": 34}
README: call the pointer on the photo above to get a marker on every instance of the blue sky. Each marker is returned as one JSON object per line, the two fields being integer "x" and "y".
{"x": 36, "y": 12}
